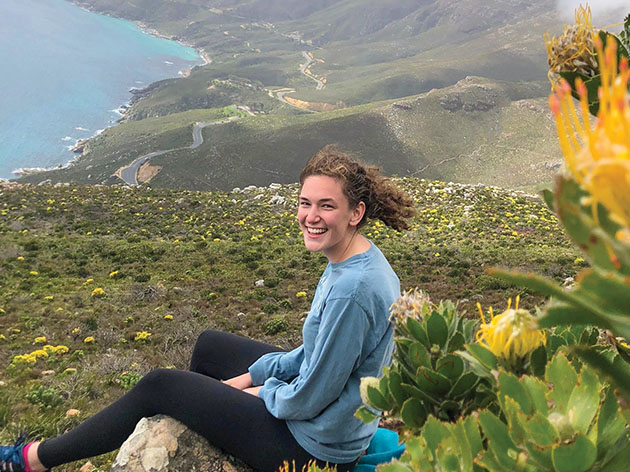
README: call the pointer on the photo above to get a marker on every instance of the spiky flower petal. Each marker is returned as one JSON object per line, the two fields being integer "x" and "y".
{"x": 573, "y": 50}
{"x": 409, "y": 304}
{"x": 512, "y": 335}
{"x": 598, "y": 156}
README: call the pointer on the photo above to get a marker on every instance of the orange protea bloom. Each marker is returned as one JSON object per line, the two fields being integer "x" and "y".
{"x": 573, "y": 50}
{"x": 511, "y": 335}
{"x": 598, "y": 156}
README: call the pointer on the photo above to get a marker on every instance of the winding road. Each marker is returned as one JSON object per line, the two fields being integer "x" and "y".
{"x": 303, "y": 67}
{"x": 129, "y": 174}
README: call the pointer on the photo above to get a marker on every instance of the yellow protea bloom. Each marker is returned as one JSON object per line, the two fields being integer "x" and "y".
{"x": 511, "y": 335}
{"x": 598, "y": 156}
{"x": 573, "y": 50}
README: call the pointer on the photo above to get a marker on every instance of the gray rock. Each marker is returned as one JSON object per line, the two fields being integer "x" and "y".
{"x": 162, "y": 444}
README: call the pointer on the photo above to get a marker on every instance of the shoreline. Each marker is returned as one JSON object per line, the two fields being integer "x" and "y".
{"x": 136, "y": 93}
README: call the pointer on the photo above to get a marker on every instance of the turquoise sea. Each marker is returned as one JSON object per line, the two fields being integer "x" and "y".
{"x": 65, "y": 72}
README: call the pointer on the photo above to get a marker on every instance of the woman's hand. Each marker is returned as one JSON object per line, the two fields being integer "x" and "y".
{"x": 241, "y": 382}
{"x": 252, "y": 390}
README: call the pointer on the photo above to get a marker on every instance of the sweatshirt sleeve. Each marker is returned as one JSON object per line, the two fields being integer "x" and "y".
{"x": 282, "y": 365}
{"x": 337, "y": 349}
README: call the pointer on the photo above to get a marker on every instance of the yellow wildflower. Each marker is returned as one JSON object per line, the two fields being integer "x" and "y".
{"x": 34, "y": 272}
{"x": 39, "y": 340}
{"x": 301, "y": 294}
{"x": 89, "y": 340}
{"x": 89, "y": 281}
{"x": 601, "y": 164}
{"x": 573, "y": 50}
{"x": 98, "y": 292}
{"x": 113, "y": 274}
{"x": 142, "y": 337}
{"x": 168, "y": 317}
{"x": 511, "y": 335}
{"x": 49, "y": 297}
{"x": 20, "y": 258}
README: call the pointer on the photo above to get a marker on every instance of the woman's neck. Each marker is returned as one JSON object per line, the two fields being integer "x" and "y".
{"x": 357, "y": 245}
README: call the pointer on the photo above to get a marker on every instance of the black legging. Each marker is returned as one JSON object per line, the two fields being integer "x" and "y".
{"x": 228, "y": 418}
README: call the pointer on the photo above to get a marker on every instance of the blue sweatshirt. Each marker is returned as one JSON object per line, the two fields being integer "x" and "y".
{"x": 347, "y": 335}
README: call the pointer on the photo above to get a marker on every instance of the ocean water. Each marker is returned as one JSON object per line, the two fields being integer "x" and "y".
{"x": 64, "y": 73}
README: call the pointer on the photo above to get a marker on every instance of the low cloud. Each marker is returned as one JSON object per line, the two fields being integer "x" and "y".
{"x": 604, "y": 11}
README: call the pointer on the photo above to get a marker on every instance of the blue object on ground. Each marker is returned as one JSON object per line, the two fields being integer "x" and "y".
{"x": 383, "y": 448}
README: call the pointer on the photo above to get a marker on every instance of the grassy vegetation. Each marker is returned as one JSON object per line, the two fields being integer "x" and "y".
{"x": 477, "y": 131}
{"x": 367, "y": 50}
{"x": 126, "y": 279}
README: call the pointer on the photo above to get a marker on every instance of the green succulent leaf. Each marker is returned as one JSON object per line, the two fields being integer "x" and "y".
{"x": 365, "y": 415}
{"x": 464, "y": 384}
{"x": 473, "y": 434}
{"x": 413, "y": 413}
{"x": 592, "y": 85}
{"x": 499, "y": 441}
{"x": 537, "y": 392}
{"x": 483, "y": 355}
{"x": 584, "y": 401}
{"x": 617, "y": 372}
{"x": 377, "y": 399}
{"x": 509, "y": 386}
{"x": 610, "y": 424}
{"x": 540, "y": 431}
{"x": 456, "y": 342}
{"x": 395, "y": 467}
{"x": 538, "y": 361}
{"x": 417, "y": 331}
{"x": 594, "y": 239}
{"x": 450, "y": 366}
{"x": 395, "y": 388}
{"x": 437, "y": 330}
{"x": 432, "y": 382}
{"x": 561, "y": 374}
{"x": 419, "y": 356}
{"x": 435, "y": 432}
{"x": 610, "y": 291}
{"x": 576, "y": 456}
{"x": 554, "y": 342}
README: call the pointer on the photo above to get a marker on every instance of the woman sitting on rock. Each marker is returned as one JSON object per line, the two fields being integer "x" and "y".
{"x": 256, "y": 402}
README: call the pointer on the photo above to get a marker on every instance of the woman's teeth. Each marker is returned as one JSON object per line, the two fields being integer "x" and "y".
{"x": 316, "y": 230}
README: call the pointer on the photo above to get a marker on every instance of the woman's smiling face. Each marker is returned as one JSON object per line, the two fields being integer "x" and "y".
{"x": 326, "y": 219}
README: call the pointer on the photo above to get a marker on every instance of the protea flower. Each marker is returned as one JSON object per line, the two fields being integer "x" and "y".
{"x": 598, "y": 156}
{"x": 409, "y": 304}
{"x": 510, "y": 336}
{"x": 573, "y": 50}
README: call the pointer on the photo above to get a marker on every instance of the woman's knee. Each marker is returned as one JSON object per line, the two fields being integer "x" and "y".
{"x": 156, "y": 380}
{"x": 205, "y": 346}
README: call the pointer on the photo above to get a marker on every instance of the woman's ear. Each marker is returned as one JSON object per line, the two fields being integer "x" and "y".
{"x": 357, "y": 214}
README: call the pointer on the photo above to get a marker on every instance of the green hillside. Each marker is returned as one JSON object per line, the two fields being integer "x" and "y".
{"x": 93, "y": 268}
{"x": 393, "y": 73}
{"x": 477, "y": 131}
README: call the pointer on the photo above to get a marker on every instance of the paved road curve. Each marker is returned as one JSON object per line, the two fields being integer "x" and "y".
{"x": 129, "y": 174}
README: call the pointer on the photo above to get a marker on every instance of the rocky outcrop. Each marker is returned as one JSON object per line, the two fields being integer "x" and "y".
{"x": 162, "y": 444}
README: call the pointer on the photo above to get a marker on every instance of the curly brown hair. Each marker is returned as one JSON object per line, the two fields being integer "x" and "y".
{"x": 363, "y": 183}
